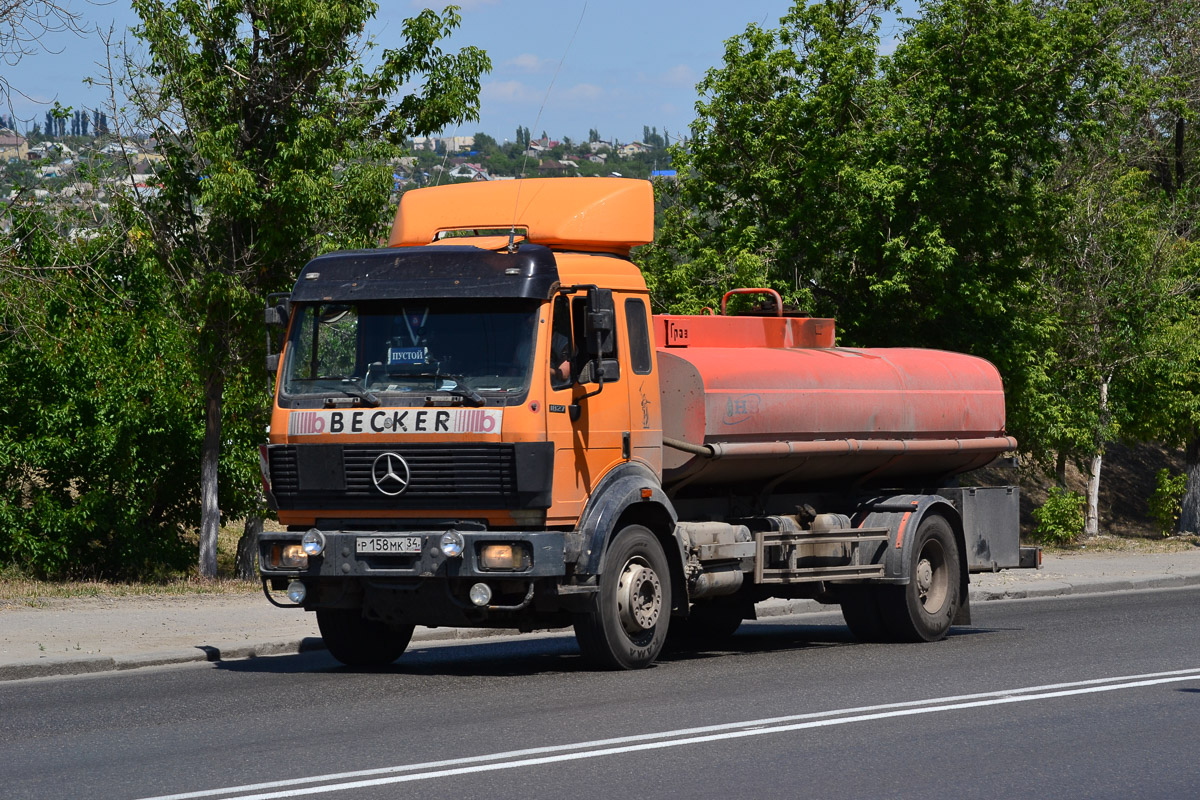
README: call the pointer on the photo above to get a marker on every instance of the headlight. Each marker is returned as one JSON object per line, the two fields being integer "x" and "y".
{"x": 296, "y": 592}
{"x": 452, "y": 544}
{"x": 313, "y": 542}
{"x": 481, "y": 594}
{"x": 504, "y": 556}
{"x": 291, "y": 556}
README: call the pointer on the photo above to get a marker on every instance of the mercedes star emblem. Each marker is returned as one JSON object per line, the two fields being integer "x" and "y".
{"x": 389, "y": 473}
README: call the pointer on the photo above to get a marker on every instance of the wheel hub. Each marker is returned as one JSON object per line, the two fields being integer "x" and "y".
{"x": 924, "y": 576}
{"x": 639, "y": 598}
{"x": 931, "y": 577}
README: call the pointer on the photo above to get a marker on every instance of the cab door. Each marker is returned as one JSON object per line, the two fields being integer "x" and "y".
{"x": 586, "y": 448}
{"x": 645, "y": 411}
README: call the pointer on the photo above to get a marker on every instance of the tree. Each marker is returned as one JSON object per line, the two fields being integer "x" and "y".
{"x": 100, "y": 405}
{"x": 908, "y": 196}
{"x": 276, "y": 140}
{"x": 1121, "y": 277}
{"x": 485, "y": 143}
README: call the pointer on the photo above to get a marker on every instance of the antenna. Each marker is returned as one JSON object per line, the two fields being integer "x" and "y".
{"x": 512, "y": 232}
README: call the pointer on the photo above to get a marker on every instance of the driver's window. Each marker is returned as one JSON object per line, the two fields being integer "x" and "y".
{"x": 327, "y": 349}
{"x": 561, "y": 350}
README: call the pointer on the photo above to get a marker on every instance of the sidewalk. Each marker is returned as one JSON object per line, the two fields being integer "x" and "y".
{"x": 98, "y": 635}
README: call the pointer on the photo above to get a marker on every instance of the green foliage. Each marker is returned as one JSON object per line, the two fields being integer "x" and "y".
{"x": 1060, "y": 519}
{"x": 98, "y": 446}
{"x": 1166, "y": 503}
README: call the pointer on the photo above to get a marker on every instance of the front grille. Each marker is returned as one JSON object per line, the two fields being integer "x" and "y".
{"x": 441, "y": 477}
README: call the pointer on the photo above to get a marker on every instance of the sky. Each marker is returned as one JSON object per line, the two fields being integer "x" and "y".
{"x": 561, "y": 67}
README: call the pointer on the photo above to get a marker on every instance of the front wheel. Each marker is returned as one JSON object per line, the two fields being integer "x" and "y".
{"x": 627, "y": 625}
{"x": 359, "y": 642}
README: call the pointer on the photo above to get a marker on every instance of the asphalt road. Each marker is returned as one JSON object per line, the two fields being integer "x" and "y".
{"x": 1095, "y": 696}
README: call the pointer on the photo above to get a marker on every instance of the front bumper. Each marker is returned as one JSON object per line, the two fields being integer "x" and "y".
{"x": 547, "y": 551}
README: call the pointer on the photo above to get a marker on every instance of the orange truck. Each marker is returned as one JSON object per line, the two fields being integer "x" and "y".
{"x": 483, "y": 425}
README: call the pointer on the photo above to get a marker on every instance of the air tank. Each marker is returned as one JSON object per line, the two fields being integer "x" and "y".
{"x": 769, "y": 402}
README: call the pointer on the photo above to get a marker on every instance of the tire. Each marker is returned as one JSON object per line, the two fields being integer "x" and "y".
{"x": 711, "y": 623}
{"x": 923, "y": 610}
{"x": 860, "y": 609}
{"x": 627, "y": 625}
{"x": 358, "y": 642}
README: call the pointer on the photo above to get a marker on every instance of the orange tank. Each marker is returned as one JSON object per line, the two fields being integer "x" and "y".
{"x": 770, "y": 401}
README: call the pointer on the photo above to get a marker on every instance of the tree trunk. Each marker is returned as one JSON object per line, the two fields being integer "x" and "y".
{"x": 1189, "y": 517}
{"x": 1091, "y": 525}
{"x": 247, "y": 549}
{"x": 210, "y": 458}
{"x": 1060, "y": 469}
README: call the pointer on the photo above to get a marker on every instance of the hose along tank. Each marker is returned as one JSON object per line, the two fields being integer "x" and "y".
{"x": 769, "y": 402}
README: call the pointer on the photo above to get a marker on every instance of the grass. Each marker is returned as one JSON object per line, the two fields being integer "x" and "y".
{"x": 20, "y": 589}
{"x": 1110, "y": 543}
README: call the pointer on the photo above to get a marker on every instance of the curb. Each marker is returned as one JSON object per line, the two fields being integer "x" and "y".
{"x": 22, "y": 670}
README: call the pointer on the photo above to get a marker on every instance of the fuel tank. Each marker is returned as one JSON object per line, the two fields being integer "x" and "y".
{"x": 770, "y": 403}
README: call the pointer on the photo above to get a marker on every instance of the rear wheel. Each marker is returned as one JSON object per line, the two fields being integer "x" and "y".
{"x": 359, "y": 642}
{"x": 627, "y": 625}
{"x": 860, "y": 609}
{"x": 922, "y": 610}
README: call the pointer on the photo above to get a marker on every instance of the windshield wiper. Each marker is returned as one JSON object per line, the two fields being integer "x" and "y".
{"x": 352, "y": 387}
{"x": 467, "y": 393}
{"x": 462, "y": 389}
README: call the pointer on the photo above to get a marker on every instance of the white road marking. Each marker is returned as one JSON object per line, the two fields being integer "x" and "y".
{"x": 535, "y": 756}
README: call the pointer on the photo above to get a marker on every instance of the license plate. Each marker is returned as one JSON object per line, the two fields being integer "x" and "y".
{"x": 394, "y": 545}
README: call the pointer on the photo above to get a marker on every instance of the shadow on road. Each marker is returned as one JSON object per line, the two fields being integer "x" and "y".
{"x": 557, "y": 654}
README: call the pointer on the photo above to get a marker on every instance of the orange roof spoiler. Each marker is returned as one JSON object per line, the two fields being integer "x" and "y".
{"x": 603, "y": 214}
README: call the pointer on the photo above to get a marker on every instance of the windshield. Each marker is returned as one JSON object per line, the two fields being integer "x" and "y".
{"x": 478, "y": 350}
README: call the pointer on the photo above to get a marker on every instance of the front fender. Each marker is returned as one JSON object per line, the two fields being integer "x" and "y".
{"x": 618, "y": 492}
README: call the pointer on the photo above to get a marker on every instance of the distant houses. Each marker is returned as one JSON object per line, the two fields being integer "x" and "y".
{"x": 13, "y": 146}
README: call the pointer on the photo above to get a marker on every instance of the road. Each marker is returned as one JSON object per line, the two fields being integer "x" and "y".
{"x": 1095, "y": 696}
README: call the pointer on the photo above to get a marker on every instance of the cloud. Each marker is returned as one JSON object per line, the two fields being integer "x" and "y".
{"x": 507, "y": 92}
{"x": 527, "y": 62}
{"x": 583, "y": 92}
{"x": 680, "y": 76}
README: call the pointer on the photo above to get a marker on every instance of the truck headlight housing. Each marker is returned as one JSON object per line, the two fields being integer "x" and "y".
{"x": 313, "y": 542}
{"x": 453, "y": 544}
{"x": 296, "y": 592}
{"x": 480, "y": 594}
{"x": 288, "y": 556}
{"x": 509, "y": 556}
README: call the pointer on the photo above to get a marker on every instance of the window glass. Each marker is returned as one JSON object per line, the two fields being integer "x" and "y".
{"x": 406, "y": 349}
{"x": 639, "y": 336}
{"x": 561, "y": 349}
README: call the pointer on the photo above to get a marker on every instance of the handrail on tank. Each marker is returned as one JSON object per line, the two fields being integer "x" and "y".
{"x": 772, "y": 292}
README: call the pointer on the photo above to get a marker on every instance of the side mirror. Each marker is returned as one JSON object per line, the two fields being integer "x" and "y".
{"x": 276, "y": 316}
{"x": 600, "y": 323}
{"x": 273, "y": 363}
{"x": 601, "y": 370}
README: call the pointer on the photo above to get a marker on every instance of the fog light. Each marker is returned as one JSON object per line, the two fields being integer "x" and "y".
{"x": 293, "y": 557}
{"x": 313, "y": 542}
{"x": 452, "y": 544}
{"x": 503, "y": 556}
{"x": 296, "y": 592}
{"x": 481, "y": 594}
